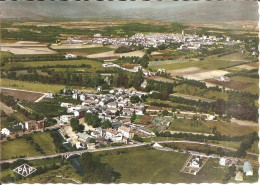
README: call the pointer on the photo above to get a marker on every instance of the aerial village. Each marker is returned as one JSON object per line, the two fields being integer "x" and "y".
{"x": 191, "y": 42}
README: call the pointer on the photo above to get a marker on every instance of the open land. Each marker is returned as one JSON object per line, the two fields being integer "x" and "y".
{"x": 231, "y": 129}
{"x": 30, "y": 86}
{"x": 6, "y": 109}
{"x": 22, "y": 147}
{"x": 22, "y": 95}
{"x": 112, "y": 54}
{"x": 188, "y": 125}
{"x": 160, "y": 79}
{"x": 26, "y": 48}
{"x": 164, "y": 167}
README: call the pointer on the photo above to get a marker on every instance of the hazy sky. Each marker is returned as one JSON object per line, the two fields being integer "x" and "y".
{"x": 202, "y": 11}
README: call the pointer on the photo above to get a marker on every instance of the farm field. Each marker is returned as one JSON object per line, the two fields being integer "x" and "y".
{"x": 27, "y": 48}
{"x": 46, "y": 108}
{"x": 196, "y": 91}
{"x": 85, "y": 51}
{"x": 22, "y": 147}
{"x": 112, "y": 54}
{"x": 231, "y": 129}
{"x": 16, "y": 148}
{"x": 45, "y": 141}
{"x": 196, "y": 98}
{"x": 188, "y": 125}
{"x": 206, "y": 75}
{"x": 94, "y": 64}
{"x": 235, "y": 145}
{"x": 5, "y": 54}
{"x": 155, "y": 166}
{"x": 30, "y": 86}
{"x": 168, "y": 103}
{"x": 236, "y": 85}
{"x": 211, "y": 62}
{"x": 22, "y": 95}
{"x": 253, "y": 82}
{"x": 160, "y": 79}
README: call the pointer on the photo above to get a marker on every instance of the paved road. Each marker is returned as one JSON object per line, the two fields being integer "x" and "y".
{"x": 115, "y": 148}
{"x": 74, "y": 152}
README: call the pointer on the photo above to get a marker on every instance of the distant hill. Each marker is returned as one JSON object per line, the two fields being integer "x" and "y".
{"x": 201, "y": 11}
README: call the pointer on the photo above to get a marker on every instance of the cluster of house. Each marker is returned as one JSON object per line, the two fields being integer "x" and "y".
{"x": 189, "y": 41}
{"x": 19, "y": 127}
{"x": 247, "y": 169}
{"x": 115, "y": 107}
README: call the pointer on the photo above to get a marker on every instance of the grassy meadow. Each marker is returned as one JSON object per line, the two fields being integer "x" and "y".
{"x": 86, "y": 51}
{"x": 231, "y": 129}
{"x": 211, "y": 62}
{"x": 188, "y": 125}
{"x": 21, "y": 147}
{"x": 31, "y": 86}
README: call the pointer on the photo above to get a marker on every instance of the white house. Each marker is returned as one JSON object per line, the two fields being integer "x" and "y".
{"x": 66, "y": 105}
{"x": 5, "y": 131}
{"x": 126, "y": 131}
{"x": 112, "y": 105}
{"x": 82, "y": 97}
{"x": 66, "y": 118}
{"x": 222, "y": 161}
{"x": 79, "y": 113}
{"x": 75, "y": 96}
{"x": 111, "y": 133}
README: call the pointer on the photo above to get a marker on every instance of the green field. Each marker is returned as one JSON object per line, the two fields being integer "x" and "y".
{"x": 22, "y": 147}
{"x": 94, "y": 64}
{"x": 5, "y": 54}
{"x": 30, "y": 86}
{"x": 196, "y": 91}
{"x": 86, "y": 51}
{"x": 45, "y": 141}
{"x": 231, "y": 129}
{"x": 168, "y": 103}
{"x": 153, "y": 166}
{"x": 210, "y": 62}
{"x": 17, "y": 148}
{"x": 188, "y": 125}
{"x": 254, "y": 88}
{"x": 18, "y": 117}
{"x": 50, "y": 176}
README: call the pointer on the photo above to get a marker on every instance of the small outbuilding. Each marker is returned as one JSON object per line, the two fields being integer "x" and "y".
{"x": 247, "y": 168}
{"x": 239, "y": 176}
